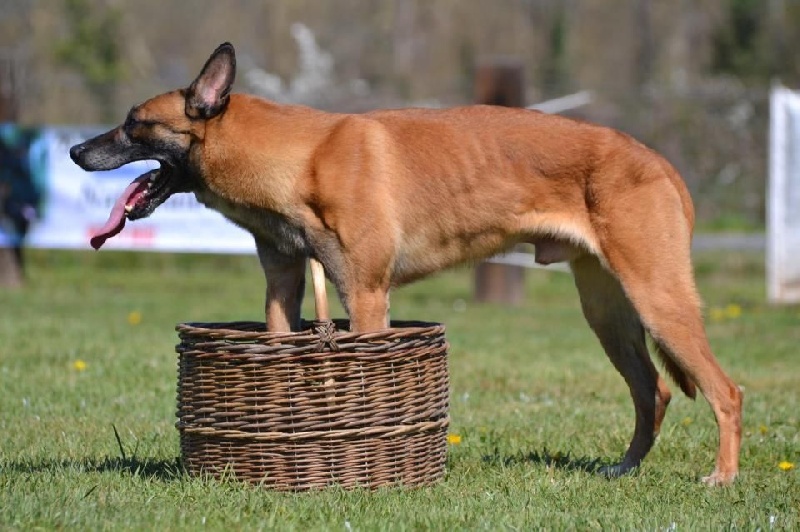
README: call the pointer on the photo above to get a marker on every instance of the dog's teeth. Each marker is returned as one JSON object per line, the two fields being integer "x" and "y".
{"x": 128, "y": 208}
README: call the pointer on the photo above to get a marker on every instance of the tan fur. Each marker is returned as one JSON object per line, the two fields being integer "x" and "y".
{"x": 387, "y": 197}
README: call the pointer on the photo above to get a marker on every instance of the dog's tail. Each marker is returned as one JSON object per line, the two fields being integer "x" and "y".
{"x": 674, "y": 371}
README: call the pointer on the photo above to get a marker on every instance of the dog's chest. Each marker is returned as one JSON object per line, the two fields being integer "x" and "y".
{"x": 286, "y": 237}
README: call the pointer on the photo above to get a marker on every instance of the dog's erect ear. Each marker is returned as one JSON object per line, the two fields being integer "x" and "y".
{"x": 208, "y": 95}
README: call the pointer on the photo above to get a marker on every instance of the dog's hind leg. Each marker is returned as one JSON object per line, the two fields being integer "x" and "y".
{"x": 651, "y": 258}
{"x": 619, "y": 329}
{"x": 670, "y": 310}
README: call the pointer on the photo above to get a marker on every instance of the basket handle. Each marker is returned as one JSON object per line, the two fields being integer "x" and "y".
{"x": 320, "y": 294}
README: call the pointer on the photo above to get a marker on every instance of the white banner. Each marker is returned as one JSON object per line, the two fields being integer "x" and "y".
{"x": 783, "y": 198}
{"x": 76, "y": 203}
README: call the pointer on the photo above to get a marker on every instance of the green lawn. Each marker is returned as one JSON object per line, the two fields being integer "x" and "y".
{"x": 87, "y": 347}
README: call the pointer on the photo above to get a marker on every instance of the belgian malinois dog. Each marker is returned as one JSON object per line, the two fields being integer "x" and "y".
{"x": 387, "y": 197}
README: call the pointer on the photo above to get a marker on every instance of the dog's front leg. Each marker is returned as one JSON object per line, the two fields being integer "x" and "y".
{"x": 286, "y": 276}
{"x": 369, "y": 309}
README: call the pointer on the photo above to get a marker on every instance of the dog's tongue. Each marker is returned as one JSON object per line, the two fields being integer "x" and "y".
{"x": 116, "y": 220}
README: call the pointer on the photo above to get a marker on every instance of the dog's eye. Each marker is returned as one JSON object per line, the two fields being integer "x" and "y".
{"x": 130, "y": 121}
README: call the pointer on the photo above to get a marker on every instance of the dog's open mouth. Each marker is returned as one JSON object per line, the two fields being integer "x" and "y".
{"x": 139, "y": 200}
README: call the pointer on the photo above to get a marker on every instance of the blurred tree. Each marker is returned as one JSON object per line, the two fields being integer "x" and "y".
{"x": 555, "y": 67}
{"x": 739, "y": 45}
{"x": 92, "y": 49}
{"x": 645, "y": 51}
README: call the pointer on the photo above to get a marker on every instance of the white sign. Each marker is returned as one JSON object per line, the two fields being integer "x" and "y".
{"x": 783, "y": 198}
{"x": 77, "y": 203}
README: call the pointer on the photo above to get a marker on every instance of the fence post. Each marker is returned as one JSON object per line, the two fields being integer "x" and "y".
{"x": 10, "y": 267}
{"x": 499, "y": 81}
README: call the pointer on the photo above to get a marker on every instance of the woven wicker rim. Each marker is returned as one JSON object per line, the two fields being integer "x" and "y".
{"x": 330, "y": 336}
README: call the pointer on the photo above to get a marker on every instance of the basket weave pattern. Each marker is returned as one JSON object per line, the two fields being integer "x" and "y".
{"x": 304, "y": 410}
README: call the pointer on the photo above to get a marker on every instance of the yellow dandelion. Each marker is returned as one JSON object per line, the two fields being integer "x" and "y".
{"x": 135, "y": 317}
{"x": 79, "y": 365}
{"x": 717, "y": 314}
{"x": 453, "y": 439}
{"x": 686, "y": 421}
{"x": 786, "y": 466}
{"x": 763, "y": 430}
{"x": 733, "y": 311}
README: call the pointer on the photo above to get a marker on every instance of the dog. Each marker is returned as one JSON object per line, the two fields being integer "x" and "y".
{"x": 384, "y": 198}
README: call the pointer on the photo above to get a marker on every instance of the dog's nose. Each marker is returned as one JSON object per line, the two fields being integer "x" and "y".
{"x": 75, "y": 152}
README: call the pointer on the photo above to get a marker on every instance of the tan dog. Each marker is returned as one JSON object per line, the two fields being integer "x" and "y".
{"x": 387, "y": 197}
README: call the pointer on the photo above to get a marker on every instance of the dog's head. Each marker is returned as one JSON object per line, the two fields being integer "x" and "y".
{"x": 164, "y": 128}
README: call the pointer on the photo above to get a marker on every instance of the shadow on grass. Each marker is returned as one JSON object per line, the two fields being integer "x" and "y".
{"x": 551, "y": 459}
{"x": 164, "y": 470}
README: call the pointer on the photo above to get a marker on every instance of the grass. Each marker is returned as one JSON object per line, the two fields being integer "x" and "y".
{"x": 87, "y": 374}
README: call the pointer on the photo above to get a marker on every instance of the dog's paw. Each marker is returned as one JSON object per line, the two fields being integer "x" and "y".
{"x": 616, "y": 470}
{"x": 718, "y": 478}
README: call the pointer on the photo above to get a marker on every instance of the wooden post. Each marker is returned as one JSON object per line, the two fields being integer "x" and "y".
{"x": 10, "y": 272}
{"x": 499, "y": 81}
{"x": 10, "y": 267}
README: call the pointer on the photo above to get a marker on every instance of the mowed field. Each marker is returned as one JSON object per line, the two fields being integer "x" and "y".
{"x": 87, "y": 349}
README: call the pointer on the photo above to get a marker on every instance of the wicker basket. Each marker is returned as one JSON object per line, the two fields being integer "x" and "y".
{"x": 310, "y": 409}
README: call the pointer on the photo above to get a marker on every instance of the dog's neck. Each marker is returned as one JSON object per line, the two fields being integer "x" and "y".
{"x": 259, "y": 152}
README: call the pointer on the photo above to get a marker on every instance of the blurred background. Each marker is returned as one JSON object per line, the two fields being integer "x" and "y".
{"x": 688, "y": 78}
